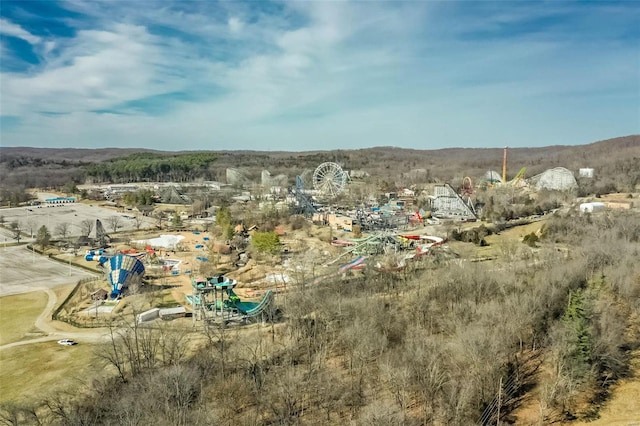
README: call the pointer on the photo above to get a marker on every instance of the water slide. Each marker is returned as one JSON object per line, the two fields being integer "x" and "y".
{"x": 121, "y": 271}
{"x": 356, "y": 263}
{"x": 250, "y": 309}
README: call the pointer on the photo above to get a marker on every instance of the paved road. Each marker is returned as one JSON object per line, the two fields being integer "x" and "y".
{"x": 43, "y": 323}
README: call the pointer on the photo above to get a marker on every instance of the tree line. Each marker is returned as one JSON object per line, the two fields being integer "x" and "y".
{"x": 153, "y": 167}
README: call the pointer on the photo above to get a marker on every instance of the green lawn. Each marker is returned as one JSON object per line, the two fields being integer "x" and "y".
{"x": 18, "y": 314}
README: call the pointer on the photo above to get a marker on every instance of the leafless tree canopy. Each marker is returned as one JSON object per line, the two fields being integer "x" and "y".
{"x": 447, "y": 343}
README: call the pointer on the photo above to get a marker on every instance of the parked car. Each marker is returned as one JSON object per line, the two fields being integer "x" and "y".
{"x": 67, "y": 342}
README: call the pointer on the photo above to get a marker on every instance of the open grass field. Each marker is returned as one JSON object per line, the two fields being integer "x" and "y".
{"x": 32, "y": 372}
{"x": 18, "y": 314}
{"x": 505, "y": 243}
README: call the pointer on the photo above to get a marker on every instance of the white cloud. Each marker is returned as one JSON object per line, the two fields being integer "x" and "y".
{"x": 9, "y": 28}
{"x": 235, "y": 25}
{"x": 98, "y": 69}
{"x": 319, "y": 75}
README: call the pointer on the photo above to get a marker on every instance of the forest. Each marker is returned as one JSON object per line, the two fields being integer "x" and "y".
{"x": 446, "y": 342}
{"x": 146, "y": 167}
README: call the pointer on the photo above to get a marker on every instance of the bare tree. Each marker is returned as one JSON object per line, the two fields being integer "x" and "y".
{"x": 159, "y": 216}
{"x": 18, "y": 414}
{"x": 138, "y": 221}
{"x": 63, "y": 229}
{"x": 16, "y": 230}
{"x": 115, "y": 222}
{"x": 86, "y": 226}
{"x": 112, "y": 353}
{"x": 31, "y": 226}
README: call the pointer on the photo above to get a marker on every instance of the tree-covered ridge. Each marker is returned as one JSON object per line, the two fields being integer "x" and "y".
{"x": 147, "y": 166}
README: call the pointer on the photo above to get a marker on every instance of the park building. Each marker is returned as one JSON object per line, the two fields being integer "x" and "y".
{"x": 592, "y": 207}
{"x": 586, "y": 172}
{"x": 60, "y": 200}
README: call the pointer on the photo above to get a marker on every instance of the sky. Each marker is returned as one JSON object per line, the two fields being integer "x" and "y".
{"x": 317, "y": 75}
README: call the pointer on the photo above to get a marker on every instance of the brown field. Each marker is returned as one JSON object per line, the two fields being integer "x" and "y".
{"x": 623, "y": 408}
{"x": 18, "y": 314}
{"x": 31, "y": 372}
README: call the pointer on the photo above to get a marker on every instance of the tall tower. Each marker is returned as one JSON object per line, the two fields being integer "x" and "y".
{"x": 504, "y": 166}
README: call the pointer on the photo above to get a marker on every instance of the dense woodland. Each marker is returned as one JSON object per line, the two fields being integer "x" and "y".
{"x": 152, "y": 167}
{"x": 447, "y": 342}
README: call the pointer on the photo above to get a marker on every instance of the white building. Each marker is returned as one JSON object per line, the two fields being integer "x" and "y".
{"x": 149, "y": 315}
{"x": 592, "y": 207}
{"x": 586, "y": 172}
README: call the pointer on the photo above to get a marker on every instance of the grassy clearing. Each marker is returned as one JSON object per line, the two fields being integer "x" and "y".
{"x": 32, "y": 372}
{"x": 623, "y": 407}
{"x": 18, "y": 314}
{"x": 502, "y": 244}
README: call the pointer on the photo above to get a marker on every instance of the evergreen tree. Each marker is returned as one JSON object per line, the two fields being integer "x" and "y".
{"x": 176, "y": 221}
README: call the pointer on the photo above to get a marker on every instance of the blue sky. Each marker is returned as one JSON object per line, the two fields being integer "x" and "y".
{"x": 317, "y": 74}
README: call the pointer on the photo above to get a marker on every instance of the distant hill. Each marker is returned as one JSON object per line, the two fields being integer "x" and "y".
{"x": 68, "y": 154}
{"x": 608, "y": 157}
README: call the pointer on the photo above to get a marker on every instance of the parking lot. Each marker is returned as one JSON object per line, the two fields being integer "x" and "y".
{"x": 31, "y": 218}
{"x": 23, "y": 271}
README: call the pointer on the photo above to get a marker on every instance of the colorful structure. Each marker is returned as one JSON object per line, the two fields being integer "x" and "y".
{"x": 213, "y": 297}
{"x": 98, "y": 255}
{"x": 122, "y": 271}
{"x": 357, "y": 263}
{"x": 60, "y": 200}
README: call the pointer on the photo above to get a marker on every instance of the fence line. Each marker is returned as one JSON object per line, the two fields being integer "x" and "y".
{"x": 56, "y": 312}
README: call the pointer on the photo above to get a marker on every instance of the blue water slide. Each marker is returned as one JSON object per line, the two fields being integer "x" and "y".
{"x": 122, "y": 270}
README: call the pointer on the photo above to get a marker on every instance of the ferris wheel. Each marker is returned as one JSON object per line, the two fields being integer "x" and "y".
{"x": 329, "y": 179}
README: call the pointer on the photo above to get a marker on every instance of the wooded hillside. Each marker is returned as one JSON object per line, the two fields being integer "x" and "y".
{"x": 617, "y": 159}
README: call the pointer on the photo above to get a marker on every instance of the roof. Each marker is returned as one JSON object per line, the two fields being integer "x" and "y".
{"x": 170, "y": 195}
{"x": 173, "y": 311}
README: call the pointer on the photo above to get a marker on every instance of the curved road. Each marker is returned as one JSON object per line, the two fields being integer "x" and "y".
{"x": 44, "y": 323}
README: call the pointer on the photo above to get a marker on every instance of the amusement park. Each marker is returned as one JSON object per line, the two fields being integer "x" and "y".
{"x": 208, "y": 267}
{"x": 146, "y": 275}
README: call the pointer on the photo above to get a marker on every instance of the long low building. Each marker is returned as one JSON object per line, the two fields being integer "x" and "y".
{"x": 60, "y": 200}
{"x": 592, "y": 207}
{"x": 170, "y": 313}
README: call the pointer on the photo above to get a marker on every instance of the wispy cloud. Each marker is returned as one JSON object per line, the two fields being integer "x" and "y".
{"x": 313, "y": 75}
{"x": 9, "y": 28}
